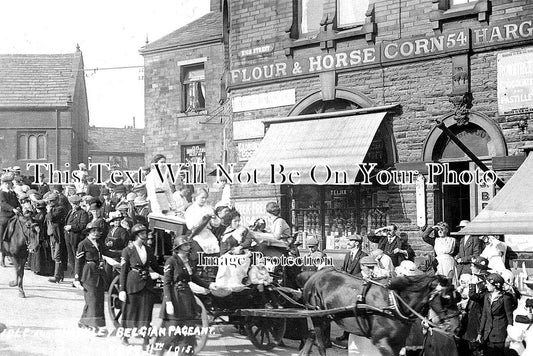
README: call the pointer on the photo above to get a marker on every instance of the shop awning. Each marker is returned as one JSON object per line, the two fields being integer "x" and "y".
{"x": 339, "y": 143}
{"x": 511, "y": 210}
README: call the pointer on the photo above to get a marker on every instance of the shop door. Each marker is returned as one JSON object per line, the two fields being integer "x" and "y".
{"x": 456, "y": 198}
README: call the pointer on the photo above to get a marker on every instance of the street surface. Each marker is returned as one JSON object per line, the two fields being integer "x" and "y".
{"x": 46, "y": 324}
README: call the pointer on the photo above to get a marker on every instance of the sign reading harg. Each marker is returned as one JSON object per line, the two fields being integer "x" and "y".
{"x": 515, "y": 81}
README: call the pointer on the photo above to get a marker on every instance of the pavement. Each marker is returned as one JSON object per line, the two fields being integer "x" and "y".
{"x": 46, "y": 323}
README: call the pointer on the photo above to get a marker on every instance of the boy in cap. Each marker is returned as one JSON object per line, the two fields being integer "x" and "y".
{"x": 314, "y": 254}
{"x": 76, "y": 222}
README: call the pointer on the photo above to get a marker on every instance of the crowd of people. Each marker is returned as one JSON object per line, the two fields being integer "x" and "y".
{"x": 85, "y": 227}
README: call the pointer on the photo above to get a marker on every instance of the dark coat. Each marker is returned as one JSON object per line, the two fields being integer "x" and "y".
{"x": 55, "y": 220}
{"x": 472, "y": 248}
{"x": 8, "y": 202}
{"x": 353, "y": 266}
{"x": 495, "y": 317}
{"x": 78, "y": 220}
{"x": 388, "y": 248}
{"x": 133, "y": 273}
{"x": 117, "y": 238}
{"x": 176, "y": 289}
{"x": 89, "y": 263}
{"x": 470, "y": 323}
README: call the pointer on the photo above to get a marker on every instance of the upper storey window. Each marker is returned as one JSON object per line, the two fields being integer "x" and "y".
{"x": 311, "y": 12}
{"x": 351, "y": 13}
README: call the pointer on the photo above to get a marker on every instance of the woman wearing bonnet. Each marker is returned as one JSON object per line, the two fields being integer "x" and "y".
{"x": 158, "y": 192}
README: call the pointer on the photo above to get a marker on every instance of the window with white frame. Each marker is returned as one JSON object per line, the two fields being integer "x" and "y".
{"x": 31, "y": 145}
{"x": 351, "y": 13}
{"x": 194, "y": 87}
{"x": 311, "y": 13}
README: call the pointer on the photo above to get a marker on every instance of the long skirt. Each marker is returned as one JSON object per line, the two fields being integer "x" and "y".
{"x": 93, "y": 311}
{"x": 41, "y": 261}
{"x": 138, "y": 309}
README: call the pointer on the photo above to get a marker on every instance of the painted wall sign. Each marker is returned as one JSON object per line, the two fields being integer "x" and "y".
{"x": 271, "y": 99}
{"x": 358, "y": 57}
{"x": 247, "y": 129}
{"x": 257, "y": 51}
{"x": 388, "y": 53}
{"x": 246, "y": 149}
{"x": 515, "y": 81}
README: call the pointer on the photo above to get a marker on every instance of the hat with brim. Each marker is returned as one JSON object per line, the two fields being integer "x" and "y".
{"x": 95, "y": 204}
{"x": 480, "y": 262}
{"x": 355, "y": 237}
{"x": 115, "y": 215}
{"x": 7, "y": 177}
{"x": 51, "y": 197}
{"x": 312, "y": 242}
{"x": 94, "y": 227}
{"x": 120, "y": 189}
{"x": 407, "y": 268}
{"x": 74, "y": 199}
{"x": 463, "y": 223}
{"x": 179, "y": 241}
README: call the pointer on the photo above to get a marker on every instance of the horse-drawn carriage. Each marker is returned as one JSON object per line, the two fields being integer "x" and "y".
{"x": 264, "y": 333}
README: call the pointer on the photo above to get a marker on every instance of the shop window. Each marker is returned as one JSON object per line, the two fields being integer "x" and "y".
{"x": 194, "y": 88}
{"x": 351, "y": 13}
{"x": 31, "y": 146}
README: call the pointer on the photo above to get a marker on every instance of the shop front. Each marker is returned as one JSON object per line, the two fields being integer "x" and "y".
{"x": 325, "y": 168}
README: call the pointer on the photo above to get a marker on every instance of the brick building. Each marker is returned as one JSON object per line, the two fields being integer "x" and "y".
{"x": 341, "y": 82}
{"x": 44, "y": 115}
{"x": 122, "y": 148}
{"x": 185, "y": 101}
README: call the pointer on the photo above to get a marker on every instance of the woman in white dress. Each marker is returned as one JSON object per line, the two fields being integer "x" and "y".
{"x": 158, "y": 191}
{"x": 444, "y": 246}
{"x": 494, "y": 251}
{"x": 204, "y": 244}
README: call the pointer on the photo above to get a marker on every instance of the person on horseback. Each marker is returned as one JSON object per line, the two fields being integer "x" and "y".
{"x": 55, "y": 224}
{"x": 9, "y": 206}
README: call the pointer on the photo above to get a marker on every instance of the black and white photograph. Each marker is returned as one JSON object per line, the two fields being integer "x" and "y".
{"x": 266, "y": 177}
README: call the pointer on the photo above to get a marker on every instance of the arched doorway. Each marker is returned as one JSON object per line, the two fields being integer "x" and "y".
{"x": 482, "y": 136}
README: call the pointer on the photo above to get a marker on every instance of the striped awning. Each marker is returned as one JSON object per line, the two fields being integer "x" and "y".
{"x": 338, "y": 143}
{"x": 510, "y": 212}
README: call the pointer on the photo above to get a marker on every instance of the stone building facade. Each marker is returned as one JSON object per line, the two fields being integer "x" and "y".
{"x": 417, "y": 61}
{"x": 44, "y": 116}
{"x": 375, "y": 78}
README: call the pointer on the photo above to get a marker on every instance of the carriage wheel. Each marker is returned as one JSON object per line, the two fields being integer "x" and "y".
{"x": 265, "y": 333}
{"x": 114, "y": 305}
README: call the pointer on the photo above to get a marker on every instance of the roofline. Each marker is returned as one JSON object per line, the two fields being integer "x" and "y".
{"x": 66, "y": 107}
{"x": 179, "y": 46}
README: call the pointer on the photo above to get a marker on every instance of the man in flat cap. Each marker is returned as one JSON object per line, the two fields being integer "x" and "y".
{"x": 77, "y": 220}
{"x": 9, "y": 205}
{"x": 55, "y": 224}
{"x": 352, "y": 258}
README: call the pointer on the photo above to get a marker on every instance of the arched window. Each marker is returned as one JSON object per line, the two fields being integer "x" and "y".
{"x": 41, "y": 147}
{"x": 32, "y": 147}
{"x": 22, "y": 147}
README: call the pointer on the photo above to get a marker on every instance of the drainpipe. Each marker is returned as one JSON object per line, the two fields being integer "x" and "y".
{"x": 58, "y": 141}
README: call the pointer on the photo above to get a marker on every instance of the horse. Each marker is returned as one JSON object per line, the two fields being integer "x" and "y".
{"x": 387, "y": 319}
{"x": 21, "y": 236}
